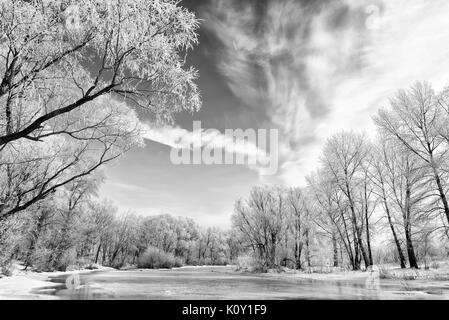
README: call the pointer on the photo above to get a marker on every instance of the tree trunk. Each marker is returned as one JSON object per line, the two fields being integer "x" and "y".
{"x": 358, "y": 244}
{"x": 309, "y": 263}
{"x": 441, "y": 192}
{"x": 408, "y": 234}
{"x": 393, "y": 231}
{"x": 356, "y": 264}
{"x": 114, "y": 255}
{"x": 298, "y": 249}
{"x": 272, "y": 255}
{"x": 98, "y": 252}
{"x": 410, "y": 250}
{"x": 136, "y": 254}
{"x": 335, "y": 249}
{"x": 362, "y": 247}
{"x": 34, "y": 239}
{"x": 347, "y": 243}
{"x": 399, "y": 249}
{"x": 341, "y": 254}
{"x": 368, "y": 241}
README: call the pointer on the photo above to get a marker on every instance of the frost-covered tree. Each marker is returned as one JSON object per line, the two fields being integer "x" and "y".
{"x": 262, "y": 221}
{"x": 343, "y": 159}
{"x": 417, "y": 120}
{"x": 72, "y": 75}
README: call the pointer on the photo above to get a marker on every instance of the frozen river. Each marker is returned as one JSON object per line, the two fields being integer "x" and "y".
{"x": 223, "y": 283}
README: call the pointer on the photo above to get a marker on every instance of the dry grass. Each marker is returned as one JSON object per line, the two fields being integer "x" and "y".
{"x": 437, "y": 271}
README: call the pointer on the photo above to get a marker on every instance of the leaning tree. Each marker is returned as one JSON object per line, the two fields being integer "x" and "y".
{"x": 73, "y": 77}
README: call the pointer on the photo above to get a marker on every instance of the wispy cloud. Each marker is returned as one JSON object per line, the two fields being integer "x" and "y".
{"x": 316, "y": 67}
{"x": 180, "y": 138}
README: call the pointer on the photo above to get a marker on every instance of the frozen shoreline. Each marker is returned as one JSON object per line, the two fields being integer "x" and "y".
{"x": 23, "y": 284}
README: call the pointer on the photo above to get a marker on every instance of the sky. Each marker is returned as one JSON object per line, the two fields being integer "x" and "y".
{"x": 307, "y": 68}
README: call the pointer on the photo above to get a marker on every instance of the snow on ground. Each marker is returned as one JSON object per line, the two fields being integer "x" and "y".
{"x": 20, "y": 287}
{"x": 22, "y": 284}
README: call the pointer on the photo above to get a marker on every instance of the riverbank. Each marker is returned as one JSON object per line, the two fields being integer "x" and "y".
{"x": 382, "y": 272}
{"x": 22, "y": 285}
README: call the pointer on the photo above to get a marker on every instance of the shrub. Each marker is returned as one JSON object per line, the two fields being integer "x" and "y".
{"x": 434, "y": 265}
{"x": 384, "y": 273}
{"x": 178, "y": 262}
{"x": 41, "y": 259}
{"x": 409, "y": 274}
{"x": 221, "y": 261}
{"x": 83, "y": 262}
{"x": 154, "y": 258}
{"x": 7, "y": 269}
{"x": 250, "y": 263}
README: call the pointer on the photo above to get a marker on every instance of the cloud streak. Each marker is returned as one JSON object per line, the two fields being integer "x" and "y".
{"x": 179, "y": 138}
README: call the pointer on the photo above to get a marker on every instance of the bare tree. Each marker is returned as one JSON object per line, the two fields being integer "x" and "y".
{"x": 332, "y": 217}
{"x": 415, "y": 120}
{"x": 123, "y": 237}
{"x": 100, "y": 221}
{"x": 409, "y": 185}
{"x": 298, "y": 215}
{"x": 380, "y": 167}
{"x": 46, "y": 45}
{"x": 69, "y": 78}
{"x": 262, "y": 221}
{"x": 75, "y": 195}
{"x": 31, "y": 171}
{"x": 343, "y": 158}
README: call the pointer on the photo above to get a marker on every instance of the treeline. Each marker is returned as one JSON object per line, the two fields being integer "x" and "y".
{"x": 73, "y": 229}
{"x": 370, "y": 201}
